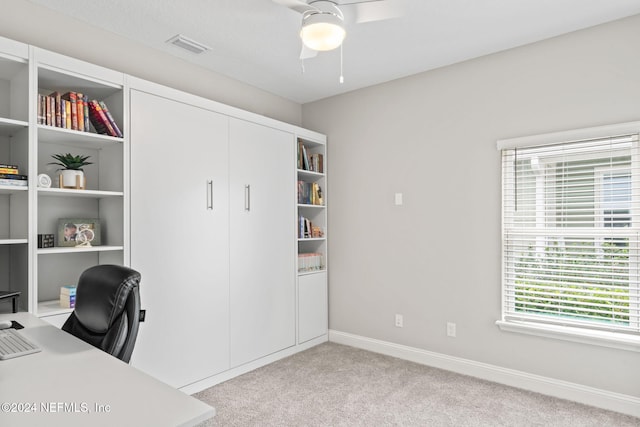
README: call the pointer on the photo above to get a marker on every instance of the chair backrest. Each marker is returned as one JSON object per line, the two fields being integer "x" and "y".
{"x": 107, "y": 309}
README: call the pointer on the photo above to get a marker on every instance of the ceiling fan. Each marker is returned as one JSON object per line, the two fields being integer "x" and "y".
{"x": 323, "y": 26}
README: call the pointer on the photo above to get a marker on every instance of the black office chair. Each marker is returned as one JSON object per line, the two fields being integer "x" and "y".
{"x": 107, "y": 310}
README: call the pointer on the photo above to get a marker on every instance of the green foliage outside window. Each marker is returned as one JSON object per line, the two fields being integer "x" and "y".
{"x": 575, "y": 281}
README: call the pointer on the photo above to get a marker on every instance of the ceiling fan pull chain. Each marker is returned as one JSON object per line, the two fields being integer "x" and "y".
{"x": 341, "y": 76}
{"x": 302, "y": 64}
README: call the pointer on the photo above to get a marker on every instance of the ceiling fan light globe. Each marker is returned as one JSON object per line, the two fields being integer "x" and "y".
{"x": 322, "y": 32}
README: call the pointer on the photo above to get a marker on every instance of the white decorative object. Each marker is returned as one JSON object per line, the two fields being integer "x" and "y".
{"x": 44, "y": 180}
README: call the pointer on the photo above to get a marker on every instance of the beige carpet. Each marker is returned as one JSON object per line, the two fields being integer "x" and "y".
{"x": 336, "y": 385}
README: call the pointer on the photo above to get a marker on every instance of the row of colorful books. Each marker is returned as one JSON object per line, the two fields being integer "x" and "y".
{"x": 68, "y": 296}
{"x": 309, "y": 162}
{"x": 310, "y": 262}
{"x": 10, "y": 176}
{"x": 307, "y": 230}
{"x": 309, "y": 193}
{"x": 74, "y": 110}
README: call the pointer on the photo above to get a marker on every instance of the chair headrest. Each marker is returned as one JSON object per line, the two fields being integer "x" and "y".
{"x": 102, "y": 293}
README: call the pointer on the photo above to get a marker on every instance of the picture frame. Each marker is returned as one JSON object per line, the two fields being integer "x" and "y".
{"x": 78, "y": 232}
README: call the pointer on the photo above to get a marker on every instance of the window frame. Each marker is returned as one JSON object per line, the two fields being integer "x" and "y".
{"x": 618, "y": 340}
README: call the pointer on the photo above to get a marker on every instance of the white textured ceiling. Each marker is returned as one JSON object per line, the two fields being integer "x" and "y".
{"x": 256, "y": 41}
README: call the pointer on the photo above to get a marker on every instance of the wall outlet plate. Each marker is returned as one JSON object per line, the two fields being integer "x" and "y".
{"x": 399, "y": 321}
{"x": 451, "y": 329}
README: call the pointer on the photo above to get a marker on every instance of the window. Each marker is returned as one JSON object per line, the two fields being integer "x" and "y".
{"x": 571, "y": 249}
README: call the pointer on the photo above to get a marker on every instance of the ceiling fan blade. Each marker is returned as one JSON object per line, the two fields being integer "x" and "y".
{"x": 307, "y": 53}
{"x": 297, "y": 5}
{"x": 376, "y": 10}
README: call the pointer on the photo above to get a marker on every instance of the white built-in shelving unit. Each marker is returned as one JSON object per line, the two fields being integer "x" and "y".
{"x": 25, "y": 212}
{"x": 104, "y": 197}
{"x": 312, "y": 211}
{"x": 14, "y": 150}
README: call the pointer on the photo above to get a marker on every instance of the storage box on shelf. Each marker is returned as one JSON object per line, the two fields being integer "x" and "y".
{"x": 100, "y": 196}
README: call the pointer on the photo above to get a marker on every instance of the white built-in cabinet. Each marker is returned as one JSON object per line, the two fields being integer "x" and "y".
{"x": 200, "y": 197}
{"x": 262, "y": 191}
{"x": 214, "y": 234}
{"x": 180, "y": 237}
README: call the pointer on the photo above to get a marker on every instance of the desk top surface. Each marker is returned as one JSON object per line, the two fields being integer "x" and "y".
{"x": 71, "y": 383}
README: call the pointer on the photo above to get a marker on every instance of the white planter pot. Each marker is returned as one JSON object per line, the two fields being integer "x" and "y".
{"x": 68, "y": 178}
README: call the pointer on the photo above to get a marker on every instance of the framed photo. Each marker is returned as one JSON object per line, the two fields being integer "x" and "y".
{"x": 78, "y": 232}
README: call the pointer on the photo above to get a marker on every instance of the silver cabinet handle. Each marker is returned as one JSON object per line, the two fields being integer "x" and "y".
{"x": 247, "y": 198}
{"x": 210, "y": 195}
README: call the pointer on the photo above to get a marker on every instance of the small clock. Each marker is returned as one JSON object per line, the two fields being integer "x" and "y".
{"x": 44, "y": 180}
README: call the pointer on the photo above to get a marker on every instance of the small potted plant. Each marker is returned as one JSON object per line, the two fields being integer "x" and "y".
{"x": 72, "y": 174}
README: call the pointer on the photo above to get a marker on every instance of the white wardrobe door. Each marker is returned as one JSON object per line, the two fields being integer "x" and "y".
{"x": 262, "y": 218}
{"x": 180, "y": 238}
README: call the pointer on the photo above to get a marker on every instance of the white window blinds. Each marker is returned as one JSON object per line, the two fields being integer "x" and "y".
{"x": 571, "y": 250}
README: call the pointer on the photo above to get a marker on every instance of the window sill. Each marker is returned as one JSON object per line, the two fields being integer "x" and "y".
{"x": 601, "y": 338}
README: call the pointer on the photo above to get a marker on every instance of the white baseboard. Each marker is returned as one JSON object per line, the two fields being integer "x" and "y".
{"x": 248, "y": 367}
{"x": 618, "y": 402}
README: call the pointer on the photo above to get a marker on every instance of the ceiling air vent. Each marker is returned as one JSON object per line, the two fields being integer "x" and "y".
{"x": 188, "y": 44}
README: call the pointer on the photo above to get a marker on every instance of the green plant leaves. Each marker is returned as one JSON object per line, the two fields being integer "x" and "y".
{"x": 71, "y": 162}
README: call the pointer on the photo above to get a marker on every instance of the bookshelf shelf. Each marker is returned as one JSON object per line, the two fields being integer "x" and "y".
{"x": 11, "y": 189}
{"x": 76, "y": 250}
{"x": 51, "y": 308}
{"x": 55, "y": 79}
{"x": 13, "y": 241}
{"x": 75, "y": 138}
{"x": 9, "y": 127}
{"x": 308, "y": 273}
{"x": 309, "y": 174}
{"x": 64, "y": 192}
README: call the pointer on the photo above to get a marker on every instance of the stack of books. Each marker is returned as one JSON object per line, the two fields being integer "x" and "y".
{"x": 68, "y": 296}
{"x": 74, "y": 110}
{"x": 309, "y": 193}
{"x": 307, "y": 230}
{"x": 310, "y": 262}
{"x": 10, "y": 176}
{"x": 309, "y": 162}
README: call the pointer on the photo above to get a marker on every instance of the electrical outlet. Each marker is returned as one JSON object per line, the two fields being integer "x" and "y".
{"x": 451, "y": 329}
{"x": 399, "y": 321}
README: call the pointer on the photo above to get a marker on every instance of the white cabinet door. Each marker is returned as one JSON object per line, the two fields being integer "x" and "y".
{"x": 262, "y": 220}
{"x": 180, "y": 238}
{"x": 312, "y": 306}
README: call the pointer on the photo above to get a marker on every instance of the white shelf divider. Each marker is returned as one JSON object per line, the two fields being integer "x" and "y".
{"x": 10, "y": 126}
{"x": 9, "y": 189}
{"x": 51, "y": 308}
{"x": 65, "y": 192}
{"x": 78, "y": 249}
{"x": 13, "y": 241}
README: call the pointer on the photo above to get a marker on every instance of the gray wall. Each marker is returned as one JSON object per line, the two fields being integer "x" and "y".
{"x": 36, "y": 25}
{"x": 432, "y": 136}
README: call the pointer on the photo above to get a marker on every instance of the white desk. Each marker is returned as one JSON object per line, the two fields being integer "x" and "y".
{"x": 70, "y": 383}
